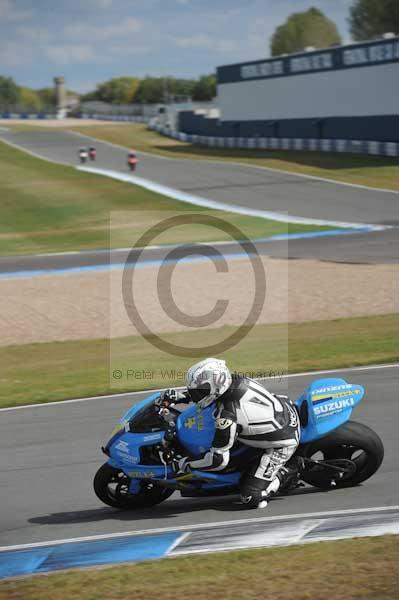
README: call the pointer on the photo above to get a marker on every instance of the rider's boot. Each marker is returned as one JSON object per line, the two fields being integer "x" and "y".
{"x": 255, "y": 492}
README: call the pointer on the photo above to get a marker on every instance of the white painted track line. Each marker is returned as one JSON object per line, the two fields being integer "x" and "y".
{"x": 198, "y": 526}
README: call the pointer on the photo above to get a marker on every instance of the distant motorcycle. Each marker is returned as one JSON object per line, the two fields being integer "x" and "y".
{"x": 92, "y": 153}
{"x": 83, "y": 155}
{"x": 143, "y": 451}
{"x": 132, "y": 161}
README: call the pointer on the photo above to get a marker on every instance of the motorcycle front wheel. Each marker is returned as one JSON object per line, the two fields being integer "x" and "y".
{"x": 354, "y": 449}
{"x": 111, "y": 486}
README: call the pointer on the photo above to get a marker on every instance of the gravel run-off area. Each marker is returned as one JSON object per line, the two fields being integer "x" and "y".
{"x": 90, "y": 305}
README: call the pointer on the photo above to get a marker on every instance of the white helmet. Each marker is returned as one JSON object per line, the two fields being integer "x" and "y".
{"x": 207, "y": 380}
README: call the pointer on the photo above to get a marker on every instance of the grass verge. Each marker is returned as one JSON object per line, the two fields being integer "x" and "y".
{"x": 47, "y": 208}
{"x": 48, "y": 372}
{"x": 359, "y": 569}
{"x": 373, "y": 171}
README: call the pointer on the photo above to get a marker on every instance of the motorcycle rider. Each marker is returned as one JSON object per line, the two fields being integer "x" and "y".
{"x": 83, "y": 154}
{"x": 132, "y": 160}
{"x": 247, "y": 412}
{"x": 92, "y": 153}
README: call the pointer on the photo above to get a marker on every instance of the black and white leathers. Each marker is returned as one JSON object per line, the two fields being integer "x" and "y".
{"x": 254, "y": 416}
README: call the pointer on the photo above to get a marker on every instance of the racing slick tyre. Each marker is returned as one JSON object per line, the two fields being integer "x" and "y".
{"x": 111, "y": 486}
{"x": 353, "y": 448}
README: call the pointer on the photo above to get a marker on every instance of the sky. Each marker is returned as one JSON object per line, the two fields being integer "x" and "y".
{"x": 90, "y": 41}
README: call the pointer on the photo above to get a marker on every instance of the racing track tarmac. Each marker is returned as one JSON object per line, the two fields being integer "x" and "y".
{"x": 375, "y": 247}
{"x": 49, "y": 455}
{"x": 252, "y": 187}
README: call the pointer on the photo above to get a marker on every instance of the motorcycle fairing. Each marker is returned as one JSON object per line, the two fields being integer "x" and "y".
{"x": 128, "y": 416}
{"x": 196, "y": 429}
{"x": 124, "y": 454}
{"x": 124, "y": 447}
{"x": 329, "y": 404}
{"x": 136, "y": 407}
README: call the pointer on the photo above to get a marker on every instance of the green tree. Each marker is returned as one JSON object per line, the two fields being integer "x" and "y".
{"x": 309, "y": 28}
{"x": 47, "y": 97}
{"x": 180, "y": 87}
{"x": 163, "y": 89}
{"x": 372, "y": 18}
{"x": 120, "y": 90}
{"x": 29, "y": 99}
{"x": 9, "y": 92}
{"x": 151, "y": 90}
{"x": 205, "y": 88}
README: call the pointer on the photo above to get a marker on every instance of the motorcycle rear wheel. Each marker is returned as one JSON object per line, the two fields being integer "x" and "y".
{"x": 111, "y": 486}
{"x": 354, "y": 447}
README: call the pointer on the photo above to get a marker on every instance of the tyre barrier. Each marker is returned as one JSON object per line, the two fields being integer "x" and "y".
{"x": 102, "y": 117}
{"x": 27, "y": 115}
{"x": 389, "y": 149}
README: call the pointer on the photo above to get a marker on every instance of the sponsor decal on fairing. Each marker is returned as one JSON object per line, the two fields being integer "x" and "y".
{"x": 330, "y": 408}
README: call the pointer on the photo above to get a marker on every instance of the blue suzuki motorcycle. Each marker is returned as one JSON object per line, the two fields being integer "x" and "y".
{"x": 334, "y": 452}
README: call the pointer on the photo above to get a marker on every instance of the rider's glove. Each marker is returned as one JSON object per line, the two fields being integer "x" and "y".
{"x": 167, "y": 398}
{"x": 164, "y": 402}
{"x": 170, "y": 396}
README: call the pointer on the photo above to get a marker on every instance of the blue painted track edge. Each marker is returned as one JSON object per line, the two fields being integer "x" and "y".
{"x": 199, "y": 259}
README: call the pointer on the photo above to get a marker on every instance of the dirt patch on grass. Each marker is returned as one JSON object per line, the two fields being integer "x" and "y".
{"x": 90, "y": 305}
